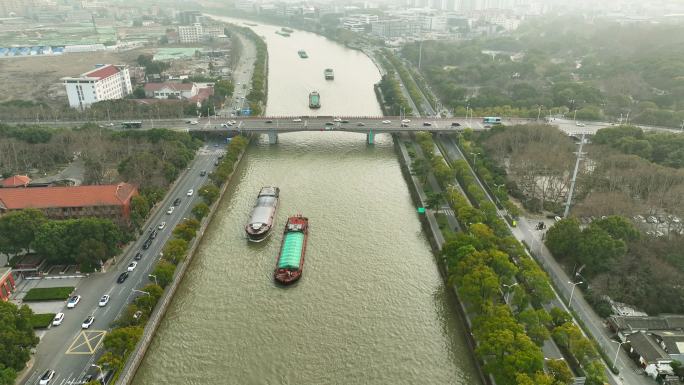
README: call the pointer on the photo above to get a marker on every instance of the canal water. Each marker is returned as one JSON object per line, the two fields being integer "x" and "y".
{"x": 370, "y": 308}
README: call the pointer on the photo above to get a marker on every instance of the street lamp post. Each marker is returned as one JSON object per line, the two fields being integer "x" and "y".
{"x": 617, "y": 352}
{"x": 572, "y": 292}
{"x": 141, "y": 291}
{"x": 539, "y": 112}
{"x": 98, "y": 367}
{"x": 508, "y": 292}
{"x": 155, "y": 278}
{"x": 474, "y": 154}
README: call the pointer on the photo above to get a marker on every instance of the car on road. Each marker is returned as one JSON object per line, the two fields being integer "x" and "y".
{"x": 104, "y": 300}
{"x": 153, "y": 234}
{"x": 131, "y": 266}
{"x": 404, "y": 125}
{"x": 86, "y": 379}
{"x": 47, "y": 377}
{"x": 177, "y": 202}
{"x": 360, "y": 124}
{"x": 268, "y": 121}
{"x": 170, "y": 210}
{"x": 455, "y": 124}
{"x": 122, "y": 277}
{"x": 194, "y": 122}
{"x": 88, "y": 321}
{"x": 386, "y": 121}
{"x": 344, "y": 121}
{"x": 297, "y": 120}
{"x": 138, "y": 256}
{"x": 337, "y": 120}
{"x": 147, "y": 244}
{"x": 73, "y": 301}
{"x": 578, "y": 124}
{"x": 59, "y": 317}
{"x": 203, "y": 172}
{"x": 427, "y": 124}
{"x": 406, "y": 121}
{"x": 161, "y": 226}
{"x": 216, "y": 163}
{"x": 190, "y": 192}
{"x": 329, "y": 123}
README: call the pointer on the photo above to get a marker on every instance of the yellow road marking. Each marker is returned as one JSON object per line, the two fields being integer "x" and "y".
{"x": 86, "y": 342}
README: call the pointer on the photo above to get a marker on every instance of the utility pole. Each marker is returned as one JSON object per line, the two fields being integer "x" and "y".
{"x": 420, "y": 53}
{"x": 574, "y": 177}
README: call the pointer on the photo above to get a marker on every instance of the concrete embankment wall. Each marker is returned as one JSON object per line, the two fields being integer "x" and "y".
{"x": 131, "y": 367}
{"x": 437, "y": 241}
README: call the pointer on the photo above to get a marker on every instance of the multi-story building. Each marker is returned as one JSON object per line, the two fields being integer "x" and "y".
{"x": 395, "y": 28}
{"x": 106, "y": 201}
{"x": 190, "y": 33}
{"x": 105, "y": 82}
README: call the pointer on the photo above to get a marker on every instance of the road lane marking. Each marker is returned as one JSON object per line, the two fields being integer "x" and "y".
{"x": 86, "y": 342}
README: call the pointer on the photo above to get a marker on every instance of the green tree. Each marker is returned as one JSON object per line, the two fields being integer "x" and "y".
{"x": 479, "y": 287}
{"x": 209, "y": 193}
{"x": 18, "y": 230}
{"x": 563, "y": 237}
{"x": 164, "y": 272}
{"x": 560, "y": 372}
{"x": 184, "y": 232}
{"x": 122, "y": 340}
{"x": 618, "y": 228}
{"x": 140, "y": 207}
{"x": 7, "y": 375}
{"x": 535, "y": 323}
{"x": 17, "y": 337}
{"x": 139, "y": 92}
{"x": 421, "y": 169}
{"x": 91, "y": 254}
{"x": 200, "y": 210}
{"x": 175, "y": 250}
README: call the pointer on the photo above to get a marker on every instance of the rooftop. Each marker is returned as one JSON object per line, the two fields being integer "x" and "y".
{"x": 635, "y": 323}
{"x": 647, "y": 348}
{"x": 78, "y": 196}
{"x": 172, "y": 86}
{"x": 16, "y": 181}
{"x": 102, "y": 72}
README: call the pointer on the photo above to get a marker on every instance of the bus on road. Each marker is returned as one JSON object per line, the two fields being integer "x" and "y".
{"x": 491, "y": 120}
{"x": 136, "y": 124}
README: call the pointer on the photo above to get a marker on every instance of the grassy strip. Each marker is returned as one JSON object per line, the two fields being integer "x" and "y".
{"x": 41, "y": 321}
{"x": 49, "y": 294}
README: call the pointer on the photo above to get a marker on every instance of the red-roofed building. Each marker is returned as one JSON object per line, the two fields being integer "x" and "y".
{"x": 106, "y": 82}
{"x": 108, "y": 201}
{"x": 16, "y": 181}
{"x": 6, "y": 283}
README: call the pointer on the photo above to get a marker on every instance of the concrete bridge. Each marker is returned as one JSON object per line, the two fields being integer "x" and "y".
{"x": 272, "y": 126}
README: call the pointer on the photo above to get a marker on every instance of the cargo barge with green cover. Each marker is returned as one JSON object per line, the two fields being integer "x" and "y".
{"x": 292, "y": 249}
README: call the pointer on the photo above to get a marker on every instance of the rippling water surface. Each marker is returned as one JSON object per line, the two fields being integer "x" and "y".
{"x": 371, "y": 307}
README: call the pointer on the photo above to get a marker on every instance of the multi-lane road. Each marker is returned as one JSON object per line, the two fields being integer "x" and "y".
{"x": 70, "y": 350}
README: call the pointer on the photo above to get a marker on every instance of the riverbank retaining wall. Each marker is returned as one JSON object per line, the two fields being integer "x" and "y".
{"x": 134, "y": 361}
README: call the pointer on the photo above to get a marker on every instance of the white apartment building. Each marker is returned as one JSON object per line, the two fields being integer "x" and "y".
{"x": 190, "y": 33}
{"x": 106, "y": 82}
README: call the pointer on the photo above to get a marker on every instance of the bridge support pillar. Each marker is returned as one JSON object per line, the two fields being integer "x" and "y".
{"x": 272, "y": 137}
{"x": 370, "y": 137}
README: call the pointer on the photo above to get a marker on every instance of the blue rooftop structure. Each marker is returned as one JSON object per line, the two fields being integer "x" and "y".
{"x": 4, "y": 51}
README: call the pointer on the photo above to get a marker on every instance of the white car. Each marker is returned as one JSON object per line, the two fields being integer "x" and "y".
{"x": 47, "y": 376}
{"x": 337, "y": 120}
{"x": 88, "y": 321}
{"x": 104, "y": 300}
{"x": 190, "y": 192}
{"x": 578, "y": 124}
{"x": 406, "y": 121}
{"x": 296, "y": 120}
{"x": 170, "y": 210}
{"x": 59, "y": 317}
{"x": 161, "y": 226}
{"x": 386, "y": 122}
{"x": 132, "y": 265}
{"x": 194, "y": 122}
{"x": 73, "y": 301}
